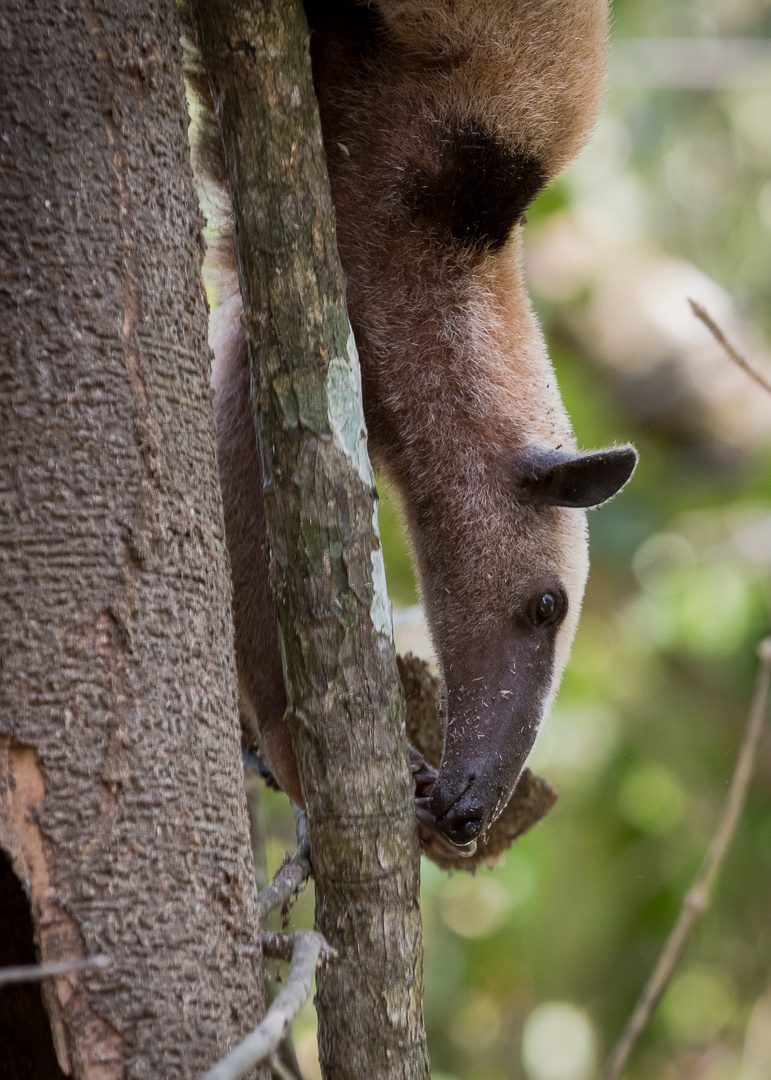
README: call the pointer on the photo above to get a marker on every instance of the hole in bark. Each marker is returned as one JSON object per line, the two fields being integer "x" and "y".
{"x": 25, "y": 1033}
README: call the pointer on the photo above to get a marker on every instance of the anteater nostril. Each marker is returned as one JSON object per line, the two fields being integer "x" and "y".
{"x": 461, "y": 826}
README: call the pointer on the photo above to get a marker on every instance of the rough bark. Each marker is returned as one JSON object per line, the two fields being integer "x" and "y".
{"x": 346, "y": 709}
{"x": 121, "y": 794}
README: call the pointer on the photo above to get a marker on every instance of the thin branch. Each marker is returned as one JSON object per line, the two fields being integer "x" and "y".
{"x": 287, "y": 881}
{"x": 696, "y": 900}
{"x": 280, "y": 946}
{"x": 308, "y": 948}
{"x": 37, "y": 972}
{"x": 702, "y": 314}
{"x": 279, "y": 1069}
{"x": 286, "y": 1056}
{"x": 283, "y": 1063}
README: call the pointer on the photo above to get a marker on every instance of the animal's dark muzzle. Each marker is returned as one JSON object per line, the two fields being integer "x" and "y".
{"x": 455, "y": 838}
{"x": 453, "y": 834}
{"x": 491, "y": 728}
{"x": 458, "y": 814}
{"x": 471, "y": 791}
{"x": 460, "y": 826}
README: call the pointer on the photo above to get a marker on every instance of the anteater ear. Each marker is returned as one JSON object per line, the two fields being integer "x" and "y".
{"x": 552, "y": 478}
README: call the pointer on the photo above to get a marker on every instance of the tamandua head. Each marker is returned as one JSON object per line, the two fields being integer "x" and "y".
{"x": 502, "y": 667}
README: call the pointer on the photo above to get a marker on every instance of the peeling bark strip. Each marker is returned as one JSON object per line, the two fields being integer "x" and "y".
{"x": 121, "y": 795}
{"x": 346, "y": 707}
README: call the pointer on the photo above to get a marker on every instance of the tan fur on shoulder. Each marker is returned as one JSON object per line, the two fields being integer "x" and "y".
{"x": 534, "y": 68}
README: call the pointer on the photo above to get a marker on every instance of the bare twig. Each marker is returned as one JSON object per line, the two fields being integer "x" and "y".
{"x": 37, "y": 972}
{"x": 284, "y": 1063}
{"x": 308, "y": 948}
{"x": 696, "y": 900}
{"x": 281, "y": 946}
{"x": 279, "y": 1069}
{"x": 704, "y": 316}
{"x": 287, "y": 881}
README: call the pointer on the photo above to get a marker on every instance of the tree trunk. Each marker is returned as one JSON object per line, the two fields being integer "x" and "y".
{"x": 122, "y": 807}
{"x": 346, "y": 708}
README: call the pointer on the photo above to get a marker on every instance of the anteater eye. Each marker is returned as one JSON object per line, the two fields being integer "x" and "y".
{"x": 546, "y": 607}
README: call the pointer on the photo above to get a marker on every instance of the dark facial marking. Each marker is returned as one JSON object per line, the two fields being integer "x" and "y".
{"x": 479, "y": 192}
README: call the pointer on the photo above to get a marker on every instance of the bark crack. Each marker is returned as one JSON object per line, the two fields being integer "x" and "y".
{"x": 58, "y": 936}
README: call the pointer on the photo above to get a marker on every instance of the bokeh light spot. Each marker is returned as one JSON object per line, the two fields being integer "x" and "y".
{"x": 474, "y": 907}
{"x": 475, "y": 1027}
{"x": 558, "y": 1043}
{"x": 698, "y": 1004}
{"x": 577, "y": 737}
{"x": 756, "y": 1058}
{"x": 657, "y": 559}
{"x": 651, "y": 799}
{"x": 518, "y": 877}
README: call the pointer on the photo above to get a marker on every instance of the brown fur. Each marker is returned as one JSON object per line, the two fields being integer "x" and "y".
{"x": 260, "y": 674}
{"x": 456, "y": 380}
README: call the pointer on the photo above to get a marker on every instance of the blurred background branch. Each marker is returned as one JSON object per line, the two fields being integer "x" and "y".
{"x": 741, "y": 361}
{"x": 696, "y": 900}
{"x": 700, "y": 63}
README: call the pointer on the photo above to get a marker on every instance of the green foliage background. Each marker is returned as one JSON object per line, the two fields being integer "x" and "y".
{"x": 645, "y": 732}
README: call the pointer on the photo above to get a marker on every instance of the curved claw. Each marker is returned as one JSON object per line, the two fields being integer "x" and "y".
{"x": 425, "y": 777}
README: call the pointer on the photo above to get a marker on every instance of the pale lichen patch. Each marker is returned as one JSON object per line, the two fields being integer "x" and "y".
{"x": 346, "y": 415}
{"x": 380, "y": 611}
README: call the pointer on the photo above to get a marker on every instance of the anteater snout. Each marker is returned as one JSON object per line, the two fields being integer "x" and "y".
{"x": 460, "y": 826}
{"x": 458, "y": 813}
